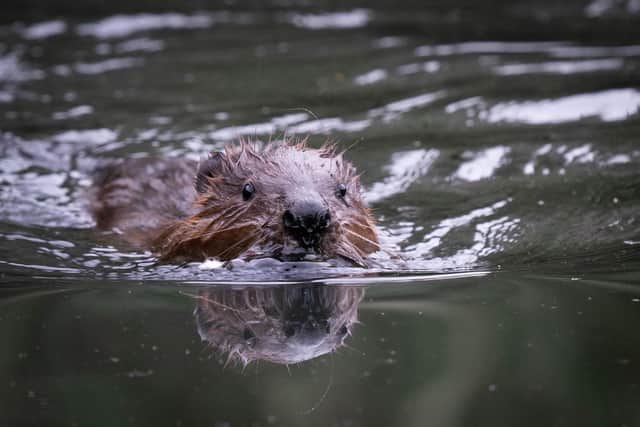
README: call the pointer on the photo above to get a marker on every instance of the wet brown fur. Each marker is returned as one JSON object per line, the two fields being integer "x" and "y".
{"x": 155, "y": 205}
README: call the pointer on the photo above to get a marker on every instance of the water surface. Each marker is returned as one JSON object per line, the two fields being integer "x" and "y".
{"x": 500, "y": 148}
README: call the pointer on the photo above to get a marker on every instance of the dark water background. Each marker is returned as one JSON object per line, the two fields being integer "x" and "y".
{"x": 500, "y": 144}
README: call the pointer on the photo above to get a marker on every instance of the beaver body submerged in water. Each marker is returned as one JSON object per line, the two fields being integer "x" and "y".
{"x": 280, "y": 200}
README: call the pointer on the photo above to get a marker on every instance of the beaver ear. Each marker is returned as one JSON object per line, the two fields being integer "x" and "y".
{"x": 207, "y": 169}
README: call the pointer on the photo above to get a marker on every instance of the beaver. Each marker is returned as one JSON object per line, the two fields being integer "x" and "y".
{"x": 283, "y": 324}
{"x": 282, "y": 200}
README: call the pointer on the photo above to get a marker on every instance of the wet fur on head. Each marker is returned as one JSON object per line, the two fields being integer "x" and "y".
{"x": 227, "y": 225}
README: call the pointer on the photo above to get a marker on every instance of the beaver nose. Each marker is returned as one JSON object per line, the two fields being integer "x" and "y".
{"x": 306, "y": 221}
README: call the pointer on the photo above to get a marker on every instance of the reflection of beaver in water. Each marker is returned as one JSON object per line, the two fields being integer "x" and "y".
{"x": 279, "y": 200}
{"x": 285, "y": 324}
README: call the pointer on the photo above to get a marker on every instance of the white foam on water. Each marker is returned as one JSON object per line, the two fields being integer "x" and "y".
{"x": 233, "y": 132}
{"x": 417, "y": 67}
{"x": 43, "y": 30}
{"x": 267, "y": 128}
{"x": 392, "y": 110}
{"x": 464, "y": 104}
{"x": 404, "y": 105}
{"x": 125, "y": 25}
{"x": 87, "y": 136}
{"x": 560, "y": 67}
{"x": 581, "y": 154}
{"x": 609, "y": 105}
{"x": 333, "y": 124}
{"x": 530, "y": 166}
{"x": 289, "y": 119}
{"x": 379, "y": 74}
{"x": 558, "y": 49}
{"x": 6, "y": 97}
{"x": 484, "y": 47}
{"x": 618, "y": 159}
{"x": 356, "y": 18}
{"x": 570, "y": 51}
{"x": 292, "y": 124}
{"x": 483, "y": 165}
{"x": 80, "y": 110}
{"x": 15, "y": 71}
{"x": 142, "y": 44}
{"x": 39, "y": 198}
{"x": 491, "y": 236}
{"x": 370, "y": 77}
{"x": 434, "y": 238}
{"x": 106, "y": 65}
{"x": 597, "y": 8}
{"x": 406, "y": 168}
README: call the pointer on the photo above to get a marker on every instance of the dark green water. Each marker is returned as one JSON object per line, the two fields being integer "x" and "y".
{"x": 500, "y": 145}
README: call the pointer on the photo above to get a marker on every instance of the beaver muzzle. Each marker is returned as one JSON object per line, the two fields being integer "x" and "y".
{"x": 306, "y": 221}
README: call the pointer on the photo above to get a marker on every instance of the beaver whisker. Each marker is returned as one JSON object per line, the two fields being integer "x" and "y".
{"x": 353, "y": 221}
{"x": 360, "y": 236}
{"x": 229, "y": 220}
{"x": 253, "y": 154}
{"x": 210, "y": 229}
{"x": 238, "y": 243}
{"x": 260, "y": 240}
{"x": 352, "y": 258}
{"x": 225, "y": 253}
{"x": 346, "y": 250}
{"x": 235, "y": 210}
{"x": 262, "y": 237}
{"x": 213, "y": 231}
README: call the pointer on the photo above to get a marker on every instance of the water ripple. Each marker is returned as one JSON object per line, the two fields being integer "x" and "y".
{"x": 483, "y": 164}
{"x": 406, "y": 167}
{"x": 43, "y": 30}
{"x": 125, "y": 25}
{"x": 434, "y": 238}
{"x": 609, "y": 105}
{"x": 560, "y": 67}
{"x": 336, "y": 20}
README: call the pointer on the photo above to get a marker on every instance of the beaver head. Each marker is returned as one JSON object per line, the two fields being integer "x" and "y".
{"x": 281, "y": 200}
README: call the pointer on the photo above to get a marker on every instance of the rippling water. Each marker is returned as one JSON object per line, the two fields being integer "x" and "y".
{"x": 500, "y": 147}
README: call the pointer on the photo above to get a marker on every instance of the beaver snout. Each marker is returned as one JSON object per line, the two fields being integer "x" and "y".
{"x": 306, "y": 221}
{"x": 310, "y": 332}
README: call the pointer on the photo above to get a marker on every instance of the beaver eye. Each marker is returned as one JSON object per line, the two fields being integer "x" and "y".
{"x": 341, "y": 190}
{"x": 247, "y": 191}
